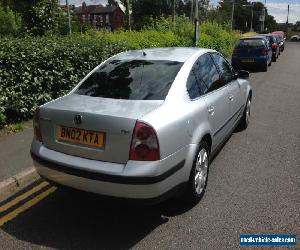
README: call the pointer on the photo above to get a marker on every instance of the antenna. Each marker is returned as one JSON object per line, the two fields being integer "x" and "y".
{"x": 144, "y": 53}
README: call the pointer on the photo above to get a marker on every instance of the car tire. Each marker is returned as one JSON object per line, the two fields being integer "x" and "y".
{"x": 235, "y": 67}
{"x": 274, "y": 59}
{"x": 245, "y": 120}
{"x": 270, "y": 63}
{"x": 199, "y": 174}
{"x": 265, "y": 67}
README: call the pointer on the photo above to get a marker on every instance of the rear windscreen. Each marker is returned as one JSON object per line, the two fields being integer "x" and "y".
{"x": 279, "y": 38}
{"x": 132, "y": 80}
{"x": 250, "y": 43}
{"x": 271, "y": 39}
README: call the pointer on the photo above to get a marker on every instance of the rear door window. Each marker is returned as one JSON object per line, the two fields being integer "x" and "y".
{"x": 207, "y": 74}
{"x": 132, "y": 80}
{"x": 203, "y": 78}
{"x": 193, "y": 85}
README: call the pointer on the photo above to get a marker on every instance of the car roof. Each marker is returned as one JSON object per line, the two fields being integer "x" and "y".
{"x": 254, "y": 37}
{"x": 179, "y": 54}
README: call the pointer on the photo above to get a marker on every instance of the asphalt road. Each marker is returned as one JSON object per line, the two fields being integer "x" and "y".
{"x": 253, "y": 188}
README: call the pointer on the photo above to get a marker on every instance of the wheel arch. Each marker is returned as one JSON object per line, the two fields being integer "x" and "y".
{"x": 208, "y": 139}
{"x": 250, "y": 94}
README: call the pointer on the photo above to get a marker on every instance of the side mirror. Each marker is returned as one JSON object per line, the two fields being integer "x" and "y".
{"x": 243, "y": 74}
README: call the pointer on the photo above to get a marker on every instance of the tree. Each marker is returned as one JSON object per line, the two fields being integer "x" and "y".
{"x": 145, "y": 9}
{"x": 38, "y": 16}
{"x": 112, "y": 3}
{"x": 41, "y": 17}
{"x": 63, "y": 22}
{"x": 242, "y": 15}
{"x": 10, "y": 22}
{"x": 296, "y": 26}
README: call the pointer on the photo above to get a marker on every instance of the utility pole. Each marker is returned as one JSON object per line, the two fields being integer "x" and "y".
{"x": 287, "y": 19}
{"x": 232, "y": 14}
{"x": 128, "y": 13}
{"x": 252, "y": 5}
{"x": 264, "y": 16}
{"x": 69, "y": 17}
{"x": 173, "y": 14}
{"x": 196, "y": 24}
{"x": 251, "y": 26}
{"x": 192, "y": 11}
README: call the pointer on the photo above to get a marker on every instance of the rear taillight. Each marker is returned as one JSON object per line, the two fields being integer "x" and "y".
{"x": 274, "y": 46}
{"x": 144, "y": 144}
{"x": 263, "y": 52}
{"x": 37, "y": 126}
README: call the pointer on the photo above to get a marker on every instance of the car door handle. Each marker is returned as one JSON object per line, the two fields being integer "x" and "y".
{"x": 211, "y": 110}
{"x": 231, "y": 97}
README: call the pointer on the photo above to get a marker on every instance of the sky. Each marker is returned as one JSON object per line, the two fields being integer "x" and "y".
{"x": 276, "y": 8}
{"x": 279, "y": 9}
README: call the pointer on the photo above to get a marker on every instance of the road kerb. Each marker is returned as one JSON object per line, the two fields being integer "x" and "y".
{"x": 16, "y": 183}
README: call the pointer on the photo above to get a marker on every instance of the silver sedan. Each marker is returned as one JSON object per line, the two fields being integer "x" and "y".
{"x": 143, "y": 124}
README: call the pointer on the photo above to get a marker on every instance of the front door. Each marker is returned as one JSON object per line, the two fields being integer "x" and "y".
{"x": 215, "y": 94}
{"x": 227, "y": 75}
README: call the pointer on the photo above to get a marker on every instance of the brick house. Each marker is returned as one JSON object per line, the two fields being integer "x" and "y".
{"x": 101, "y": 17}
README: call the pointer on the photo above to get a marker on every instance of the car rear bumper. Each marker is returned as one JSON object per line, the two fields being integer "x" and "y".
{"x": 136, "y": 179}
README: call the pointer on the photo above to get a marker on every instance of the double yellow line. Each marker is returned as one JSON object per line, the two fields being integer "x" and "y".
{"x": 11, "y": 215}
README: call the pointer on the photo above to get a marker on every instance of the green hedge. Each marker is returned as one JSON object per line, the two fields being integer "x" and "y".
{"x": 36, "y": 70}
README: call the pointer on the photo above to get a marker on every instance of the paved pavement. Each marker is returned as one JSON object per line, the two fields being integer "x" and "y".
{"x": 14, "y": 153}
{"x": 253, "y": 188}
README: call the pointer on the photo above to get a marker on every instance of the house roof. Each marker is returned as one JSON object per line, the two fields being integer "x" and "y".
{"x": 88, "y": 8}
{"x": 95, "y": 9}
{"x": 102, "y": 10}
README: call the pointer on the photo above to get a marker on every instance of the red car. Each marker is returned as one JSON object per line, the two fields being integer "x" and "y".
{"x": 280, "y": 39}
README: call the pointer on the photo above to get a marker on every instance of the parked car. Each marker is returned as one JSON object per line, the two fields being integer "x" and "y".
{"x": 252, "y": 51}
{"x": 274, "y": 45}
{"x": 280, "y": 39}
{"x": 143, "y": 124}
{"x": 295, "y": 38}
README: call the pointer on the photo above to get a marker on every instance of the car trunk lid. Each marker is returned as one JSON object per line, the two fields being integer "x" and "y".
{"x": 105, "y": 130}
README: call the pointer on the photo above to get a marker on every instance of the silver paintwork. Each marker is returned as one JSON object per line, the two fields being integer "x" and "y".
{"x": 180, "y": 124}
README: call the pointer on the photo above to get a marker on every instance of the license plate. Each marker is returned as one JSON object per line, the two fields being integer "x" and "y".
{"x": 80, "y": 136}
{"x": 248, "y": 60}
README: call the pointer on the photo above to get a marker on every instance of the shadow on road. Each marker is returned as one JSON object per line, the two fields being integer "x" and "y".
{"x": 78, "y": 220}
{"x": 252, "y": 69}
{"x": 71, "y": 219}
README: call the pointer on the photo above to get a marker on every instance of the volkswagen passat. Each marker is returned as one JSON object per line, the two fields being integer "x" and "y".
{"x": 143, "y": 124}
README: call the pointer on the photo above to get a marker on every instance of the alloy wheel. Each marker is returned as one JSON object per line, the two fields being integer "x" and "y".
{"x": 201, "y": 171}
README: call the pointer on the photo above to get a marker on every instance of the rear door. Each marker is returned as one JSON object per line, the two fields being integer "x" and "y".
{"x": 215, "y": 95}
{"x": 234, "y": 91}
